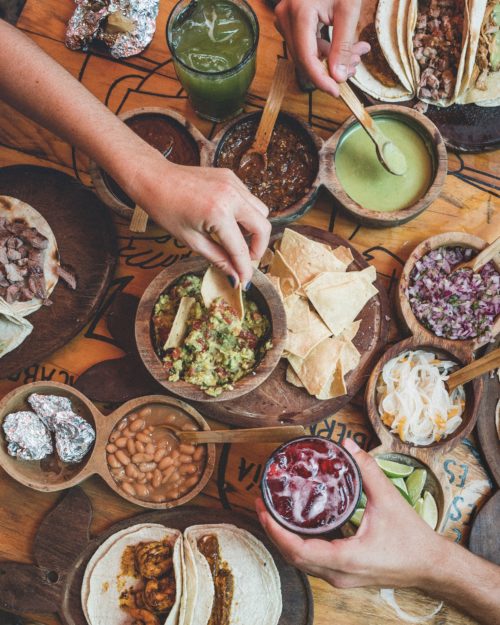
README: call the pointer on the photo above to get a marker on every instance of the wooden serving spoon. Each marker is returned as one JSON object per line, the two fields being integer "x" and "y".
{"x": 251, "y": 435}
{"x": 474, "y": 369}
{"x": 481, "y": 259}
{"x": 256, "y": 155}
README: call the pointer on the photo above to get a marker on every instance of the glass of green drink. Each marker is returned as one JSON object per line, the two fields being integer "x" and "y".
{"x": 213, "y": 45}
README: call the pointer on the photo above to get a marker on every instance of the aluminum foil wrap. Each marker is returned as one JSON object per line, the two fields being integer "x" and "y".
{"x": 47, "y": 406}
{"x": 126, "y": 26}
{"x": 27, "y": 436}
{"x": 74, "y": 436}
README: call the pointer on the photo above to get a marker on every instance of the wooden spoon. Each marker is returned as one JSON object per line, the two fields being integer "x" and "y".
{"x": 252, "y": 435}
{"x": 256, "y": 155}
{"x": 474, "y": 369}
{"x": 482, "y": 258}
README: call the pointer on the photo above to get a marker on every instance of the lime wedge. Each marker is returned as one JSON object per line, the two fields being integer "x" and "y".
{"x": 429, "y": 510}
{"x": 419, "y": 505}
{"x": 357, "y": 517}
{"x": 394, "y": 469}
{"x": 362, "y": 500}
{"x": 400, "y": 484}
{"x": 415, "y": 484}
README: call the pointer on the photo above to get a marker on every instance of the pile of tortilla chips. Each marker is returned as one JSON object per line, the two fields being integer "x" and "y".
{"x": 322, "y": 300}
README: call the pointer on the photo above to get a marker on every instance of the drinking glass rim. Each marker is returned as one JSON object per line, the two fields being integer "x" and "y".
{"x": 231, "y": 70}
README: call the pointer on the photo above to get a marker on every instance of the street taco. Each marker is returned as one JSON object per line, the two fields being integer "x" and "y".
{"x": 29, "y": 259}
{"x": 437, "y": 44}
{"x": 13, "y": 330}
{"x": 481, "y": 84}
{"x": 231, "y": 578}
{"x": 135, "y": 578}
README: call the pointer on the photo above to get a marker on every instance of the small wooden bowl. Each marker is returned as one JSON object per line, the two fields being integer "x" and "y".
{"x": 403, "y": 308}
{"x": 34, "y": 474}
{"x": 262, "y": 292}
{"x": 392, "y": 442}
{"x": 299, "y": 208}
{"x": 435, "y": 144}
{"x": 192, "y": 133}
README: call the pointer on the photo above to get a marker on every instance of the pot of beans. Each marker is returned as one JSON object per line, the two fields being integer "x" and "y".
{"x": 137, "y": 450}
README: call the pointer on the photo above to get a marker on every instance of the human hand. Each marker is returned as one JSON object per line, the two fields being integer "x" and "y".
{"x": 195, "y": 204}
{"x": 298, "y": 20}
{"x": 393, "y": 546}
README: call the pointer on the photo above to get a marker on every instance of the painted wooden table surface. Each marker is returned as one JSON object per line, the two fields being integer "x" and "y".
{"x": 469, "y": 203}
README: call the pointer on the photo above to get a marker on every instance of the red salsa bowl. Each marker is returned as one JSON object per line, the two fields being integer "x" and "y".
{"x": 311, "y": 485}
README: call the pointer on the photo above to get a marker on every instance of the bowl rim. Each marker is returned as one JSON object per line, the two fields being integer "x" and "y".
{"x": 393, "y": 218}
{"x": 188, "y": 391}
{"x": 302, "y": 205}
{"x": 392, "y": 442}
{"x": 404, "y": 310}
{"x": 318, "y": 532}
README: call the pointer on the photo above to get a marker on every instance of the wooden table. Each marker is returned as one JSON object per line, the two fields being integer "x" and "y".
{"x": 469, "y": 202}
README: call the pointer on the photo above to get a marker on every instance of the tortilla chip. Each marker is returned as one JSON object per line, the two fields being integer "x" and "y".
{"x": 293, "y": 378}
{"x": 179, "y": 326}
{"x": 267, "y": 258}
{"x": 289, "y": 282}
{"x": 305, "y": 328}
{"x": 215, "y": 284}
{"x": 276, "y": 283}
{"x": 316, "y": 369}
{"x": 308, "y": 258}
{"x": 335, "y": 385}
{"x": 339, "y": 298}
{"x": 350, "y": 332}
{"x": 349, "y": 357}
{"x": 343, "y": 254}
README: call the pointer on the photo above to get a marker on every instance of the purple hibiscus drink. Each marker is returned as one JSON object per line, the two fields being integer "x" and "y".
{"x": 311, "y": 485}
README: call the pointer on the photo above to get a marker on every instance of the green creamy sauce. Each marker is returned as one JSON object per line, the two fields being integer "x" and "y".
{"x": 214, "y": 37}
{"x": 367, "y": 182}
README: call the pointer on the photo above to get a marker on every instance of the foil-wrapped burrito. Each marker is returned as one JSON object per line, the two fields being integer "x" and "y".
{"x": 32, "y": 435}
{"x": 125, "y": 26}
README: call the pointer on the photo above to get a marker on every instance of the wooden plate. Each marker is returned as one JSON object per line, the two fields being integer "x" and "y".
{"x": 62, "y": 551}
{"x": 276, "y": 401}
{"x": 489, "y": 440}
{"x": 86, "y": 239}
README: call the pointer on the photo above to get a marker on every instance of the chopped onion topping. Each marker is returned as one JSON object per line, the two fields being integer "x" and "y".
{"x": 455, "y": 305}
{"x": 413, "y": 400}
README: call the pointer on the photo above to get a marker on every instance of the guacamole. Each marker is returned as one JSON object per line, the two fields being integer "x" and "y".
{"x": 218, "y": 348}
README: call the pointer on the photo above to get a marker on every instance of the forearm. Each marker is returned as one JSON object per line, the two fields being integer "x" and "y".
{"x": 35, "y": 84}
{"x": 466, "y": 581}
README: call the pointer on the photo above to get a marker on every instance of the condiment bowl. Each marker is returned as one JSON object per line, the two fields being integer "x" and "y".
{"x": 405, "y": 313}
{"x": 51, "y": 474}
{"x": 473, "y": 391}
{"x": 301, "y": 206}
{"x": 261, "y": 292}
{"x": 437, "y": 153}
{"x": 109, "y": 192}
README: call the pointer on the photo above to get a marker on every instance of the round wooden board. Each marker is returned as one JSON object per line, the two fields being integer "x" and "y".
{"x": 484, "y": 537}
{"x": 296, "y": 592}
{"x": 87, "y": 243}
{"x": 276, "y": 401}
{"x": 486, "y": 429}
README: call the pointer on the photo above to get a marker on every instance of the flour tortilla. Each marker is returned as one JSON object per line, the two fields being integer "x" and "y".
{"x": 179, "y": 326}
{"x": 13, "y": 209}
{"x": 216, "y": 284}
{"x": 257, "y": 588}
{"x": 103, "y": 584}
{"x": 13, "y": 329}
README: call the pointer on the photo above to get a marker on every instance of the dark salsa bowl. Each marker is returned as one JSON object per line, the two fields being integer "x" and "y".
{"x": 311, "y": 485}
{"x": 216, "y": 360}
{"x": 289, "y": 184}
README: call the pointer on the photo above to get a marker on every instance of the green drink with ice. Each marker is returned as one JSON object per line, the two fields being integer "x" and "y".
{"x": 213, "y": 44}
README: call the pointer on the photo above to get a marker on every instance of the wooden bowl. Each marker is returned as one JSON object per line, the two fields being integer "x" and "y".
{"x": 403, "y": 308}
{"x": 392, "y": 442}
{"x": 262, "y": 292}
{"x": 435, "y": 144}
{"x": 300, "y": 207}
{"x": 36, "y": 475}
{"x": 100, "y": 179}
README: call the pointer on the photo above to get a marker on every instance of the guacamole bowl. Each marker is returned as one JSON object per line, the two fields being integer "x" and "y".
{"x": 207, "y": 363}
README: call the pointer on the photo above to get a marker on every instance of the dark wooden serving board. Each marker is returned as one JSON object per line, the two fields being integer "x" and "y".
{"x": 276, "y": 401}
{"x": 484, "y": 539}
{"x": 62, "y": 549}
{"x": 486, "y": 428}
{"x": 86, "y": 240}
